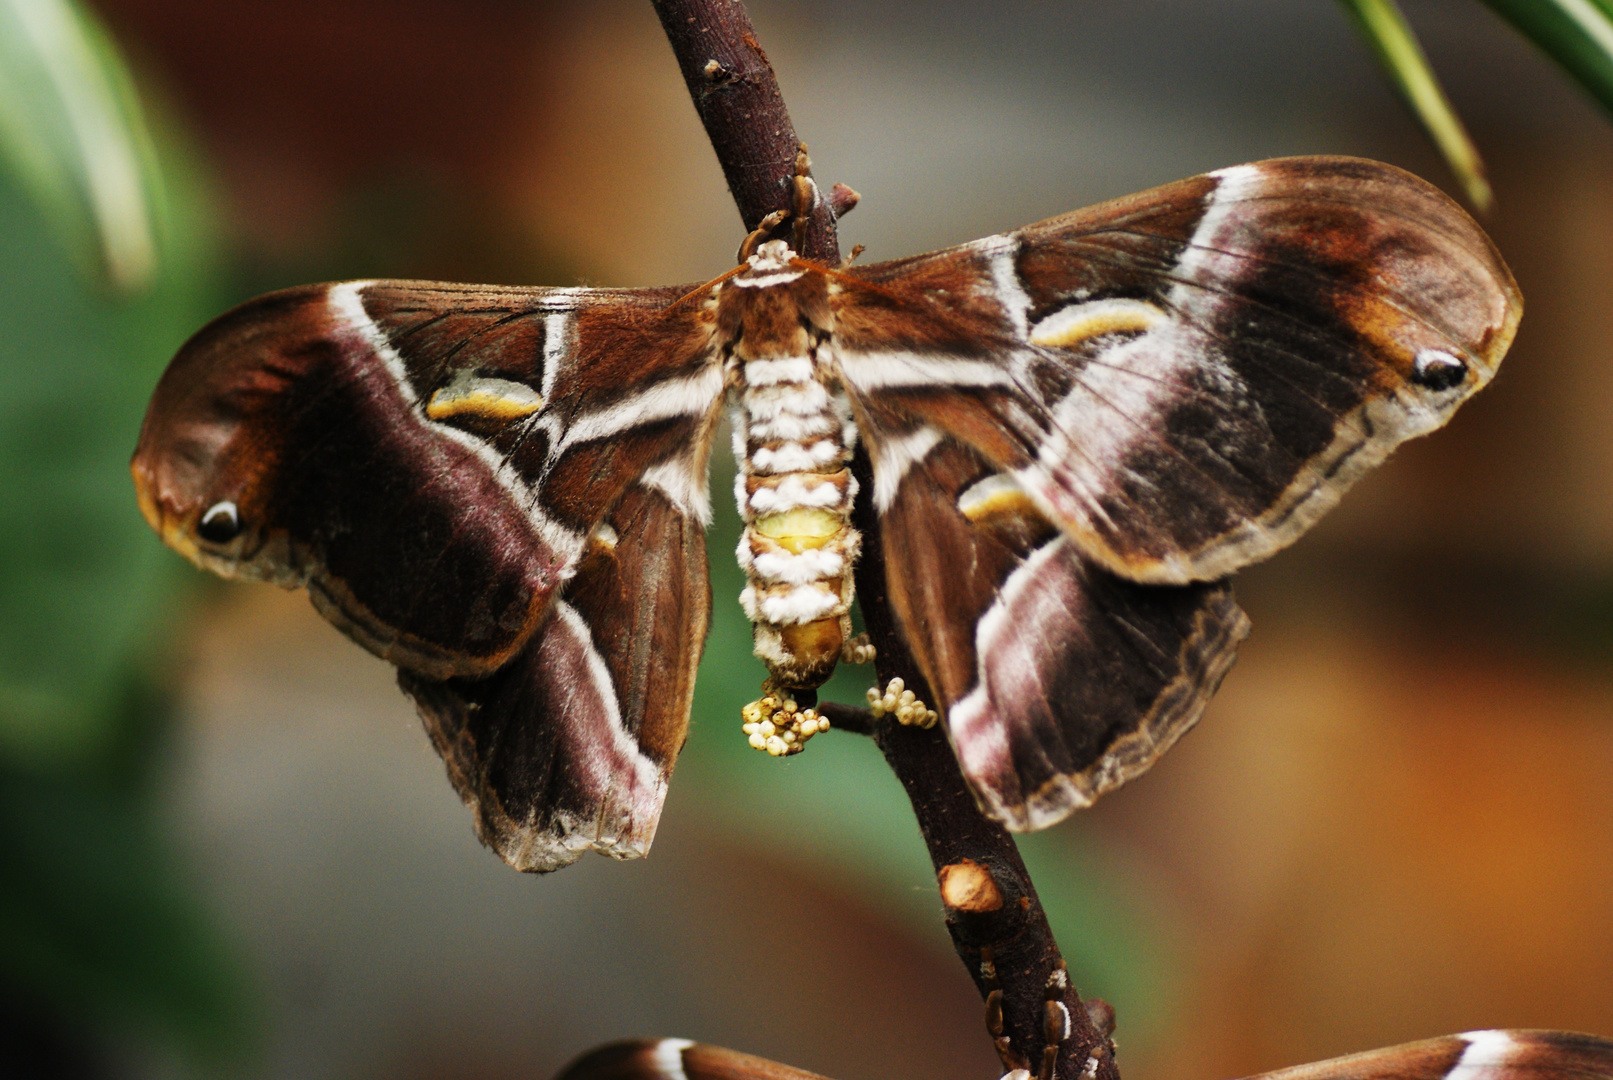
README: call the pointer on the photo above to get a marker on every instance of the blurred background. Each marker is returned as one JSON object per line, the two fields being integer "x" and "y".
{"x": 226, "y": 847}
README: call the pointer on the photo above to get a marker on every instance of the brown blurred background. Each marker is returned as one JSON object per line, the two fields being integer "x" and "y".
{"x": 1395, "y": 822}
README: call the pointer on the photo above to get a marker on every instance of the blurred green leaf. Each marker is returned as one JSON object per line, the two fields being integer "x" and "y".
{"x": 98, "y": 927}
{"x": 1578, "y": 34}
{"x": 71, "y": 129}
{"x": 1402, "y": 56}
{"x": 83, "y": 583}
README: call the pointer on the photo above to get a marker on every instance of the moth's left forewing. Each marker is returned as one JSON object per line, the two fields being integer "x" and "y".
{"x": 1174, "y": 384}
{"x": 1474, "y": 1055}
{"x": 1187, "y": 378}
{"x": 1268, "y": 335}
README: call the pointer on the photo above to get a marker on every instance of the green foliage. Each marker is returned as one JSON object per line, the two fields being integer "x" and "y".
{"x": 1576, "y": 34}
{"x": 71, "y": 130}
{"x": 1391, "y": 38}
{"x": 81, "y": 577}
{"x": 97, "y": 924}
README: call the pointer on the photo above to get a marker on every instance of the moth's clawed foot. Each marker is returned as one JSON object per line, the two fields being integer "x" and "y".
{"x": 777, "y": 725}
{"x": 763, "y": 230}
{"x": 857, "y": 650}
{"x": 803, "y": 198}
{"x": 902, "y": 703}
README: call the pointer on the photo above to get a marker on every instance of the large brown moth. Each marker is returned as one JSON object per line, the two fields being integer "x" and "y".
{"x": 1076, "y": 432}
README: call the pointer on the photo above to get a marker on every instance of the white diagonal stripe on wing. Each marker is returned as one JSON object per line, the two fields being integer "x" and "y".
{"x": 876, "y": 371}
{"x": 1486, "y": 1052}
{"x": 895, "y": 456}
{"x": 668, "y": 1057}
{"x": 689, "y": 395}
{"x": 346, "y": 305}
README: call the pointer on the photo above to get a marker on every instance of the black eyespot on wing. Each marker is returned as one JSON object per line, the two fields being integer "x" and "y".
{"x": 221, "y": 523}
{"x": 1437, "y": 369}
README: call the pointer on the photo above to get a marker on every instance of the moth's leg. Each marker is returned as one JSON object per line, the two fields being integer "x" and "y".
{"x": 1012, "y": 1061}
{"x": 763, "y": 230}
{"x": 856, "y": 250}
{"x": 857, "y": 650}
{"x": 854, "y": 648}
{"x": 777, "y": 724}
{"x": 901, "y": 703}
{"x": 804, "y": 198}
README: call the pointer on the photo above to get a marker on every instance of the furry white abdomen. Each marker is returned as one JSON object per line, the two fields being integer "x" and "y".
{"x": 793, "y": 440}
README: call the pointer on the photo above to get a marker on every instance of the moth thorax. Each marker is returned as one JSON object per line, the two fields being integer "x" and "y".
{"x": 795, "y": 493}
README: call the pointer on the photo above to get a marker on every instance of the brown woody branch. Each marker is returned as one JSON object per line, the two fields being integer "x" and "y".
{"x": 998, "y": 927}
{"x": 1007, "y": 947}
{"x": 737, "y": 96}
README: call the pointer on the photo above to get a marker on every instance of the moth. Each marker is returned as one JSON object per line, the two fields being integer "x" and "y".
{"x": 1473, "y": 1055}
{"x": 1075, "y": 433}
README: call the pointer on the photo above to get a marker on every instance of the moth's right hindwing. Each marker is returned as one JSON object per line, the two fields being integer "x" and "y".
{"x": 568, "y": 747}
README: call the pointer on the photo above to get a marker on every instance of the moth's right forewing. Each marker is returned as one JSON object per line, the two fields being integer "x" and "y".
{"x": 386, "y": 445}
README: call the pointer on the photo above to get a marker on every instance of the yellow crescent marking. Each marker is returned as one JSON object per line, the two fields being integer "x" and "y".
{"x": 996, "y": 496}
{"x": 489, "y": 399}
{"x": 1075, "y": 324}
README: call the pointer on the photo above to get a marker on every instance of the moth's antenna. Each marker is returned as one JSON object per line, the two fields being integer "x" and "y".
{"x": 712, "y": 284}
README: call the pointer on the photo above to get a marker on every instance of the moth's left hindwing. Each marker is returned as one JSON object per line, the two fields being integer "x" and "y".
{"x": 1185, "y": 379}
{"x": 499, "y": 490}
{"x": 1060, "y": 679}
